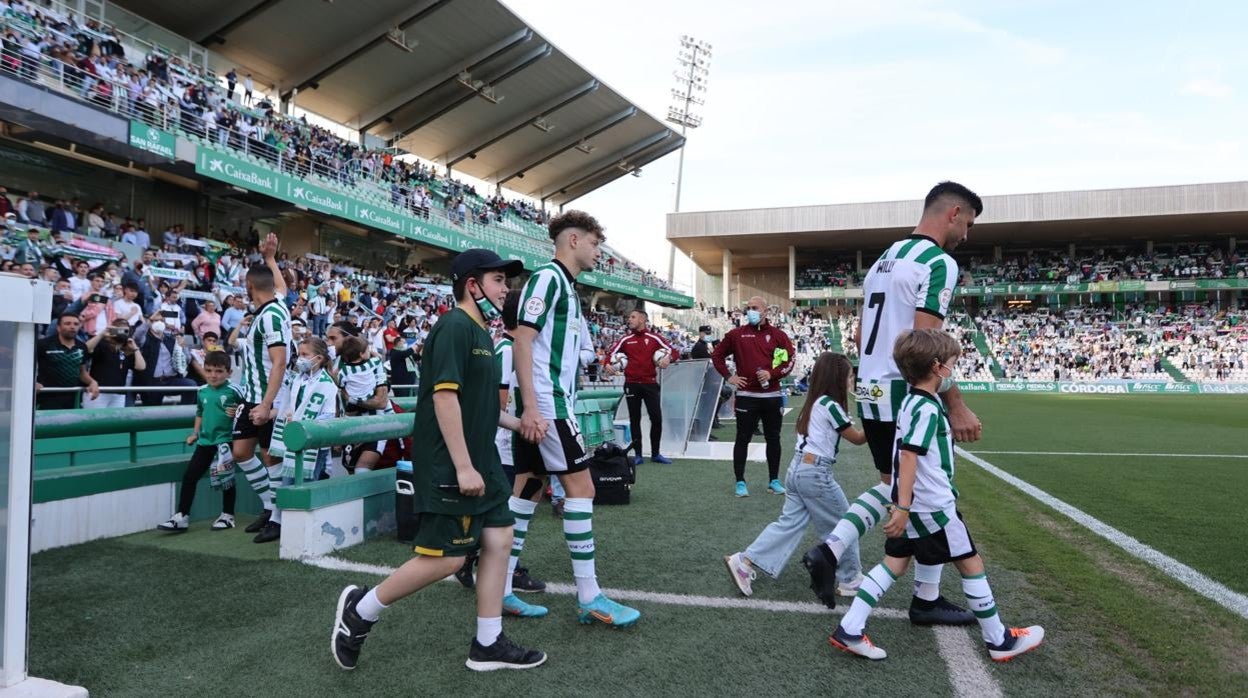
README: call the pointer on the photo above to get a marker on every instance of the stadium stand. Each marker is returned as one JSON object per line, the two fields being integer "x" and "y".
{"x": 55, "y": 47}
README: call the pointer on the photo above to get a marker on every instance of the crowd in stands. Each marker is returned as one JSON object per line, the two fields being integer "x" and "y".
{"x": 828, "y": 273}
{"x": 1183, "y": 261}
{"x": 92, "y": 60}
{"x": 1203, "y": 260}
{"x": 1102, "y": 343}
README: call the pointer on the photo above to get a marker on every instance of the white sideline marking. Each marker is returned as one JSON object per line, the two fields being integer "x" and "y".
{"x": 968, "y": 672}
{"x": 690, "y": 600}
{"x": 1135, "y": 455}
{"x": 1231, "y": 600}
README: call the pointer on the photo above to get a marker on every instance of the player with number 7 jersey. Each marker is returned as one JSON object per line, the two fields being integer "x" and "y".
{"x": 913, "y": 275}
{"x": 909, "y": 287}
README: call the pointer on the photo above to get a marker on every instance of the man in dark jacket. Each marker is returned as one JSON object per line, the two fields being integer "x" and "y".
{"x": 763, "y": 354}
{"x": 159, "y": 347}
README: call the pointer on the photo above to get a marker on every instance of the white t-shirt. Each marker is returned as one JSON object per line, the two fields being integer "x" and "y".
{"x": 122, "y": 308}
{"x": 827, "y": 421}
{"x": 79, "y": 287}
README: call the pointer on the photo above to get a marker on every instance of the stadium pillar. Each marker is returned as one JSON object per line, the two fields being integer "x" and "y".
{"x": 792, "y": 271}
{"x": 727, "y": 271}
{"x": 27, "y": 304}
{"x": 859, "y": 267}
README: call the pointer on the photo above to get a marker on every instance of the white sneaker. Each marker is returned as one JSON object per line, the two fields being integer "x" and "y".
{"x": 178, "y": 523}
{"x": 223, "y": 522}
{"x": 1017, "y": 641}
{"x": 849, "y": 589}
{"x": 860, "y": 645}
{"x": 742, "y": 573}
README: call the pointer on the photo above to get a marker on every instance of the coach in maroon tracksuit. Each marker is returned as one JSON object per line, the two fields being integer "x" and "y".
{"x": 641, "y": 383}
{"x": 753, "y": 348}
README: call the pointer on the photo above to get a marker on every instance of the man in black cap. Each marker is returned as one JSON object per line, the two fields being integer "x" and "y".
{"x": 460, "y": 489}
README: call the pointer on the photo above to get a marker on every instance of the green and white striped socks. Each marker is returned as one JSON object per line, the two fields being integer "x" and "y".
{"x": 578, "y": 531}
{"x": 979, "y": 599}
{"x": 258, "y": 478}
{"x": 523, "y": 510}
{"x": 864, "y": 513}
{"x": 874, "y": 584}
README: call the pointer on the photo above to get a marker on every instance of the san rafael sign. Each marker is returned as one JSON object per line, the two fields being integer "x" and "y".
{"x": 152, "y": 139}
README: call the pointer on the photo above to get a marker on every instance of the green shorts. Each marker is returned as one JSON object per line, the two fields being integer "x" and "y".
{"x": 449, "y": 535}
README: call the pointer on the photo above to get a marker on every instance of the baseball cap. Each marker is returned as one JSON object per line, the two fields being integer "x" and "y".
{"x": 472, "y": 260}
{"x": 705, "y": 328}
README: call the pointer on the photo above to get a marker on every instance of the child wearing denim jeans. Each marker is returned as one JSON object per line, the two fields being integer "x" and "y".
{"x": 811, "y": 493}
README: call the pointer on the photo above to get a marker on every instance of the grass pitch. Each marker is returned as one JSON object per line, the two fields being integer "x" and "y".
{"x": 211, "y": 613}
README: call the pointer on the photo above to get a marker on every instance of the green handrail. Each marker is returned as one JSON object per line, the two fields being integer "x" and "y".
{"x": 52, "y": 424}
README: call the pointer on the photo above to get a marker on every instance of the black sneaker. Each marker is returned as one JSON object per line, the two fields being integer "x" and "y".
{"x": 939, "y": 612}
{"x": 521, "y": 581}
{"x": 820, "y": 562}
{"x": 464, "y": 574}
{"x": 255, "y": 526}
{"x": 350, "y": 630}
{"x": 503, "y": 654}
{"x": 270, "y": 532}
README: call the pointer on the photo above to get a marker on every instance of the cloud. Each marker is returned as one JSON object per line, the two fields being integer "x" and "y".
{"x": 1212, "y": 88}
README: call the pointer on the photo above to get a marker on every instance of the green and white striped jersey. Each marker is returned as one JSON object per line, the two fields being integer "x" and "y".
{"x": 549, "y": 305}
{"x": 270, "y": 327}
{"x": 913, "y": 275}
{"x": 827, "y": 421}
{"x": 502, "y": 358}
{"x": 360, "y": 380}
{"x": 923, "y": 429}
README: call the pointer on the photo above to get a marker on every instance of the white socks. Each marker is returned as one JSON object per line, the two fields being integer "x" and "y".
{"x": 488, "y": 630}
{"x": 369, "y": 608}
{"x": 523, "y": 510}
{"x": 927, "y": 581}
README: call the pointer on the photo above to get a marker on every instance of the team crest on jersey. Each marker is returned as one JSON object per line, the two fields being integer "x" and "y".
{"x": 945, "y": 296}
{"x": 534, "y": 306}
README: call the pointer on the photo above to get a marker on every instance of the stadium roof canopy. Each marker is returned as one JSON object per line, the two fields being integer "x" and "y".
{"x": 459, "y": 82}
{"x": 760, "y": 237}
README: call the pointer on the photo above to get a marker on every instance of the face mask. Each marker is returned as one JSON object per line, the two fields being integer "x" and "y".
{"x": 158, "y": 328}
{"x": 489, "y": 311}
{"x": 753, "y": 316}
{"x": 303, "y": 364}
{"x": 946, "y": 382}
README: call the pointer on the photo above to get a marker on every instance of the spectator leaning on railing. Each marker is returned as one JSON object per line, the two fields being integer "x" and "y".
{"x": 60, "y": 363}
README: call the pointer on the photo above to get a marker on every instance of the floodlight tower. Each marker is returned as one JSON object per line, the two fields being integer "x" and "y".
{"x": 693, "y": 66}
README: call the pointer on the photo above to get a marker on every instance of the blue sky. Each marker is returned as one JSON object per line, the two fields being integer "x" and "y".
{"x": 830, "y": 102}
